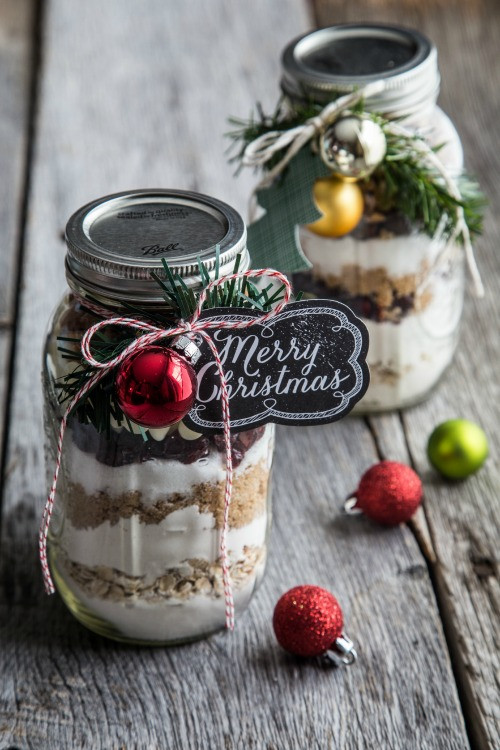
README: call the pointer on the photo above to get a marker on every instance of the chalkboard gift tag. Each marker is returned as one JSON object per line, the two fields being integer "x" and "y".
{"x": 304, "y": 366}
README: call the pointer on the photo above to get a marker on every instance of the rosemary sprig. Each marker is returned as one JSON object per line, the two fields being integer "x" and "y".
{"x": 406, "y": 183}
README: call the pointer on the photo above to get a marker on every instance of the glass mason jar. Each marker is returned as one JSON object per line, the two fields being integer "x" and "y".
{"x": 134, "y": 540}
{"x": 385, "y": 269}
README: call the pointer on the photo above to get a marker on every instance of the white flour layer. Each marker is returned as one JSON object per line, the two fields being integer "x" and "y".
{"x": 159, "y": 477}
{"x": 405, "y": 361}
{"x": 397, "y": 255}
{"x": 149, "y": 550}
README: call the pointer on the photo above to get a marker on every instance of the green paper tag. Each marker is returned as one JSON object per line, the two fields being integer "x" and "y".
{"x": 273, "y": 238}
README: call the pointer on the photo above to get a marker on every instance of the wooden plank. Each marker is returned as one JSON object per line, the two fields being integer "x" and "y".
{"x": 241, "y": 690}
{"x": 16, "y": 37}
{"x": 151, "y": 119}
{"x": 5, "y": 347}
{"x": 463, "y": 518}
{"x": 15, "y": 51}
{"x": 391, "y": 444}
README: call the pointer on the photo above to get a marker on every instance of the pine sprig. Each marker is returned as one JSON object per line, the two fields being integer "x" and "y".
{"x": 283, "y": 118}
{"x": 403, "y": 182}
{"x": 99, "y": 406}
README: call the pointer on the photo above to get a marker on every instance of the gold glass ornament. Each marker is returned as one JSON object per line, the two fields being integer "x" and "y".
{"x": 341, "y": 203}
{"x": 353, "y": 146}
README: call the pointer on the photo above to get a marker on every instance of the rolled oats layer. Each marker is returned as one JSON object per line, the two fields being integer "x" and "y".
{"x": 191, "y": 578}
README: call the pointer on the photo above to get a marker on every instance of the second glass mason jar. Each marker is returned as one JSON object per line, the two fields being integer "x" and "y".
{"x": 134, "y": 538}
{"x": 385, "y": 269}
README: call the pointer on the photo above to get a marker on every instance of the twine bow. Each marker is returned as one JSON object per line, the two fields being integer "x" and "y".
{"x": 150, "y": 335}
{"x": 262, "y": 149}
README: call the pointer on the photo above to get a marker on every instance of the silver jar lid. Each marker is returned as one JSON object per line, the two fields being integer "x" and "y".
{"x": 342, "y": 58}
{"x": 115, "y": 242}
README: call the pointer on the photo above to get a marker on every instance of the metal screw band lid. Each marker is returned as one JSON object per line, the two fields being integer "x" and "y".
{"x": 115, "y": 242}
{"x": 342, "y": 58}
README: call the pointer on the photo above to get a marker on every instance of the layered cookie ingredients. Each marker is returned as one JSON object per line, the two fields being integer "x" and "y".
{"x": 410, "y": 303}
{"x": 138, "y": 546}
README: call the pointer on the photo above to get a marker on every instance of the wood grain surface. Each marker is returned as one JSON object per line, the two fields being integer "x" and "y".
{"x": 463, "y": 518}
{"x": 133, "y": 99}
{"x": 16, "y": 23}
{"x": 16, "y": 18}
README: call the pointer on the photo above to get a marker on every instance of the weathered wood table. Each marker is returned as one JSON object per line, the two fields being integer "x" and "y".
{"x": 97, "y": 97}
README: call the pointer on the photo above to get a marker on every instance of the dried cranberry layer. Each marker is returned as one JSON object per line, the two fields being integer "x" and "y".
{"x": 123, "y": 448}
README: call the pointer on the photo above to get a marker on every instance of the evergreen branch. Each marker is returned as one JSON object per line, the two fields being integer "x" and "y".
{"x": 282, "y": 118}
{"x": 403, "y": 182}
{"x": 99, "y": 405}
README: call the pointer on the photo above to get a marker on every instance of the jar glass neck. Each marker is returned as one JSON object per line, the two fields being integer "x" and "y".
{"x": 109, "y": 307}
{"x": 415, "y": 117}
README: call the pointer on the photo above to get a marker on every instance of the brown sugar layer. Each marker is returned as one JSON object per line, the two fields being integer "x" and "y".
{"x": 385, "y": 374}
{"x": 191, "y": 578}
{"x": 371, "y": 293}
{"x": 248, "y": 501}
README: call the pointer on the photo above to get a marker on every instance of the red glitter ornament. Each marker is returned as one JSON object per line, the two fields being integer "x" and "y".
{"x": 388, "y": 492}
{"x": 155, "y": 387}
{"x": 307, "y": 621}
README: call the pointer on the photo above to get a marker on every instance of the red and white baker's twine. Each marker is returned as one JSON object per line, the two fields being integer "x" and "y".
{"x": 152, "y": 335}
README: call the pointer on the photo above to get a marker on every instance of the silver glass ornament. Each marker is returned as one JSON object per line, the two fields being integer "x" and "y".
{"x": 353, "y": 146}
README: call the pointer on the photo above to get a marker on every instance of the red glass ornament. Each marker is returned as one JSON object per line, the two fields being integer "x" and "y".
{"x": 155, "y": 387}
{"x": 389, "y": 493}
{"x": 307, "y": 621}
